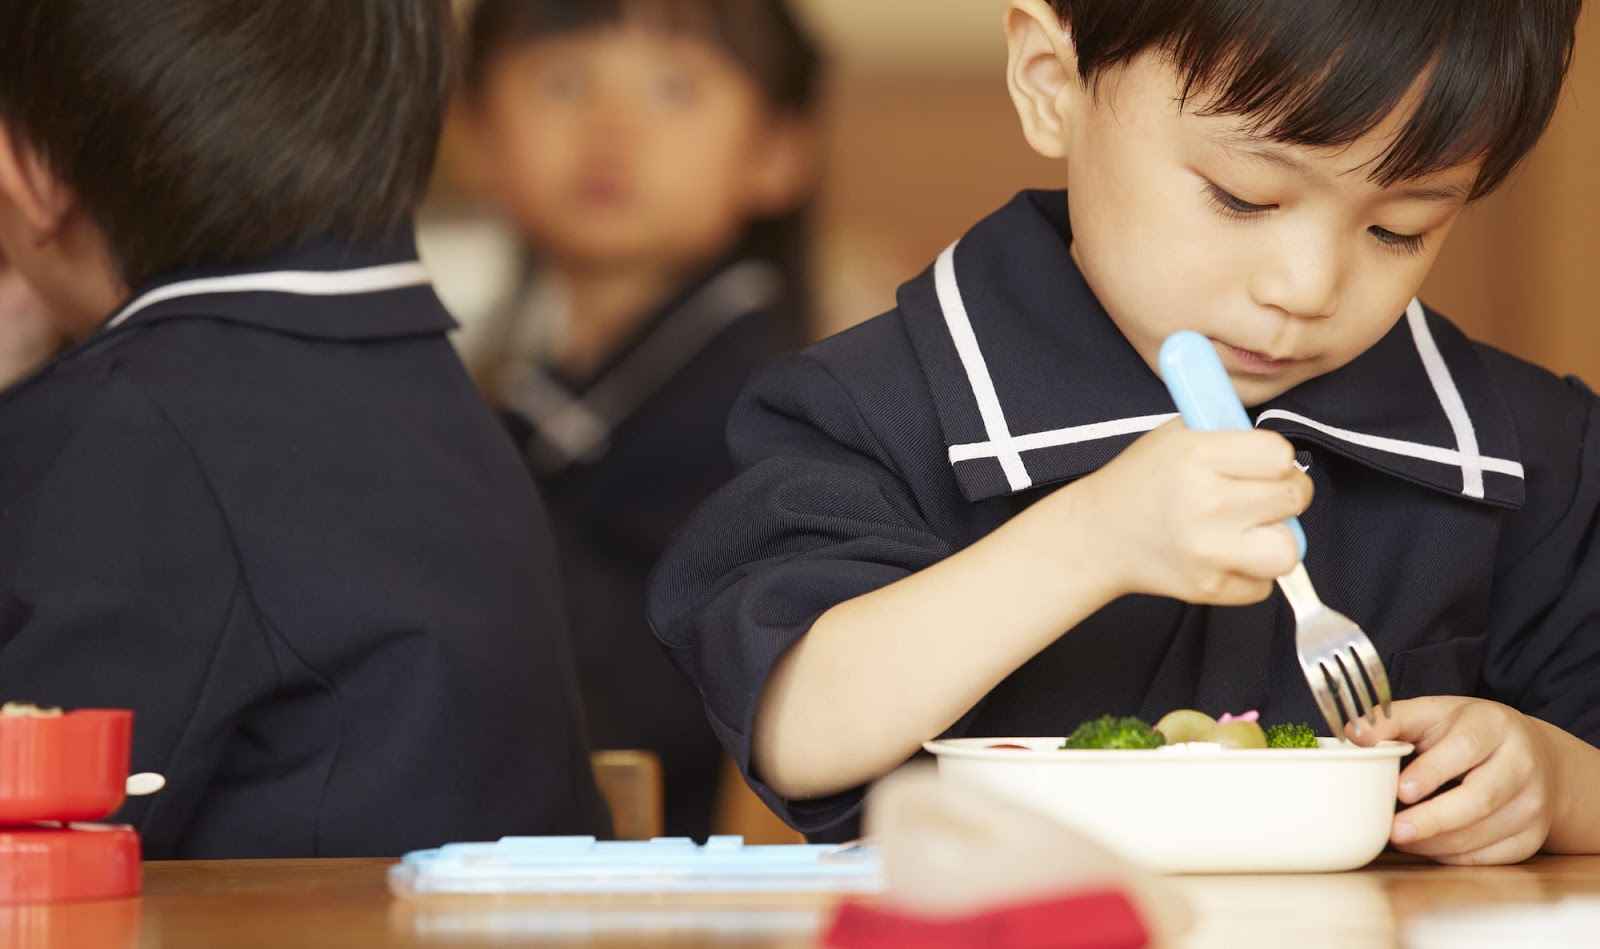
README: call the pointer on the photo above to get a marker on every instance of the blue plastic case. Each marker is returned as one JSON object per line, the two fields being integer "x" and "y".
{"x": 567, "y": 865}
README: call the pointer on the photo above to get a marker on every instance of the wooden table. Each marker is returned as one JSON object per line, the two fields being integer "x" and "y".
{"x": 308, "y": 904}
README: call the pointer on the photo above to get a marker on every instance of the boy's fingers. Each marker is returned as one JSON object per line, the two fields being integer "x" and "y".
{"x": 1254, "y": 454}
{"x": 1416, "y": 721}
{"x": 1453, "y": 755}
{"x": 1268, "y": 552}
{"x": 1481, "y": 810}
{"x": 1478, "y": 841}
{"x": 1268, "y": 502}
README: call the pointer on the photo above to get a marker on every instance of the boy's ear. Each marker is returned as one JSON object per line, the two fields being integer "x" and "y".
{"x": 784, "y": 173}
{"x": 29, "y": 186}
{"x": 1042, "y": 74}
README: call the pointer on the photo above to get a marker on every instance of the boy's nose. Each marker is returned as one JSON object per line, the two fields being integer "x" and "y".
{"x": 1302, "y": 279}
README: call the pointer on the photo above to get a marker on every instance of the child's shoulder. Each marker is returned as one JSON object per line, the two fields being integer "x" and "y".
{"x": 1551, "y": 412}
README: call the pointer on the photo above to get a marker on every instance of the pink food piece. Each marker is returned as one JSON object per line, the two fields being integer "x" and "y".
{"x": 1250, "y": 716}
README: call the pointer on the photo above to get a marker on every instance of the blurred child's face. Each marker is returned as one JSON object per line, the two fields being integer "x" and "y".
{"x": 627, "y": 146}
{"x": 1289, "y": 258}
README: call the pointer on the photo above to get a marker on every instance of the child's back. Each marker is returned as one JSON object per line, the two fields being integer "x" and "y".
{"x": 264, "y": 507}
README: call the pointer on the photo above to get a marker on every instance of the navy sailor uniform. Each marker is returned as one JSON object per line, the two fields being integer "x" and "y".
{"x": 267, "y": 510}
{"x": 1457, "y": 494}
{"x": 622, "y": 459}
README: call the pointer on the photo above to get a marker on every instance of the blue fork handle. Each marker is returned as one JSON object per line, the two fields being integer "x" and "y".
{"x": 1205, "y": 395}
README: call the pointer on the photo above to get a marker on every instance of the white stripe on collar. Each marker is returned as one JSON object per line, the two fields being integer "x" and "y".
{"x": 1007, "y": 449}
{"x": 1059, "y": 437}
{"x": 994, "y": 417}
{"x": 1395, "y": 446}
{"x": 1444, "y": 386}
{"x": 301, "y": 282}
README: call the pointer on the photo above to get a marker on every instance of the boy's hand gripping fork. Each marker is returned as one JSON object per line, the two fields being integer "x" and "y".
{"x": 1340, "y": 664}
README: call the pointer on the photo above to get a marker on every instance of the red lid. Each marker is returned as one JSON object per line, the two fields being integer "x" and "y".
{"x": 80, "y": 862}
{"x": 72, "y": 767}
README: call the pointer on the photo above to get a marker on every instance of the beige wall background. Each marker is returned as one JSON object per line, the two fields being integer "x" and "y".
{"x": 921, "y": 143}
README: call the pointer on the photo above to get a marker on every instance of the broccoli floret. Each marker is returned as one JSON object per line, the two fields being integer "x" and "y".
{"x": 1109, "y": 731}
{"x": 1291, "y": 736}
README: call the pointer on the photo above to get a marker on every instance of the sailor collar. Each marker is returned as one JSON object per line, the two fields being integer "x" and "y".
{"x": 1034, "y": 384}
{"x": 574, "y": 425}
{"x": 322, "y": 288}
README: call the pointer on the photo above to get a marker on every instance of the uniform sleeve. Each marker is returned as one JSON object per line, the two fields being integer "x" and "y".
{"x": 119, "y": 589}
{"x": 817, "y": 516}
{"x": 1542, "y": 651}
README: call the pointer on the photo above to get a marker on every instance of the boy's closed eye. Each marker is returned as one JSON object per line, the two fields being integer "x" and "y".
{"x": 1236, "y": 208}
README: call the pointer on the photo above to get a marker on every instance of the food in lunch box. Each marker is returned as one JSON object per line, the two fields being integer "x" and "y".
{"x": 1187, "y": 725}
{"x": 1111, "y": 731}
{"x": 27, "y": 710}
{"x": 1291, "y": 736}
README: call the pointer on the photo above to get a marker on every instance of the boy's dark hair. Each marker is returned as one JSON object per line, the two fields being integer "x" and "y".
{"x": 1489, "y": 72}
{"x": 764, "y": 37}
{"x": 205, "y": 132}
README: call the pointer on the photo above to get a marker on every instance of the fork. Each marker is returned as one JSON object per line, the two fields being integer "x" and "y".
{"x": 1341, "y": 666}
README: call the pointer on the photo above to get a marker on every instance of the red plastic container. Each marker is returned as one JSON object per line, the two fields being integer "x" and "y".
{"x": 73, "y": 767}
{"x": 56, "y": 773}
{"x": 79, "y": 862}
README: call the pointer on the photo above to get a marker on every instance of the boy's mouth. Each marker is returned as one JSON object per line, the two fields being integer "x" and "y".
{"x": 1249, "y": 362}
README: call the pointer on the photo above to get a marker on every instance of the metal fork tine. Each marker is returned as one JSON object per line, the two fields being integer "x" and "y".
{"x": 1372, "y": 665}
{"x": 1322, "y": 692}
{"x": 1368, "y": 707}
{"x": 1351, "y": 709}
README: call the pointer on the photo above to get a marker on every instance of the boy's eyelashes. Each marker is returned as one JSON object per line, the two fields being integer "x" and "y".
{"x": 1410, "y": 244}
{"x": 1238, "y": 209}
{"x": 1230, "y": 206}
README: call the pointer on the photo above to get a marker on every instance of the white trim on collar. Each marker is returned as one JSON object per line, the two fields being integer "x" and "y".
{"x": 1394, "y": 446}
{"x": 301, "y": 282}
{"x": 579, "y": 427}
{"x": 1061, "y": 436}
{"x": 1455, "y": 409}
{"x": 1000, "y": 444}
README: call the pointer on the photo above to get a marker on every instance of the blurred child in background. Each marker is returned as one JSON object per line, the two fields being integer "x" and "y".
{"x": 654, "y": 159}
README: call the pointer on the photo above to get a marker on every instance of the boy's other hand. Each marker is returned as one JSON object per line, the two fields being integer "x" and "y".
{"x": 1197, "y": 516}
{"x": 1501, "y": 810}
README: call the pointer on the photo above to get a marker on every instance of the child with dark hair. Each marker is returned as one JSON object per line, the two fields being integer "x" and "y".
{"x": 653, "y": 159}
{"x": 976, "y": 514}
{"x": 257, "y": 500}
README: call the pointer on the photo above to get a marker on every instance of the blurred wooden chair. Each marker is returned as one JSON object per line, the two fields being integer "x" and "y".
{"x": 630, "y": 781}
{"x": 741, "y": 812}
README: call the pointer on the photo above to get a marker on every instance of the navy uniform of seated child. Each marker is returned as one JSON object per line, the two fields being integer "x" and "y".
{"x": 976, "y": 514}
{"x": 258, "y": 501}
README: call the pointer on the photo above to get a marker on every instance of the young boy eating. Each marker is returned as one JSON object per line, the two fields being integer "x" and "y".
{"x": 975, "y": 514}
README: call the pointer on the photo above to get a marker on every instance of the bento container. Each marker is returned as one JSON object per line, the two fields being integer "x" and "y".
{"x": 72, "y": 767}
{"x": 1175, "y": 810}
{"x": 79, "y": 862}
